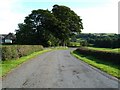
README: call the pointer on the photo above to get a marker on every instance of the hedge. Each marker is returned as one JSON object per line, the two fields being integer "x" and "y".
{"x": 16, "y": 51}
{"x": 102, "y": 55}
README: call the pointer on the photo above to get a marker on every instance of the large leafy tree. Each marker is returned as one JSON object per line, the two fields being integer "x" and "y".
{"x": 49, "y": 27}
{"x": 71, "y": 20}
{"x": 38, "y": 28}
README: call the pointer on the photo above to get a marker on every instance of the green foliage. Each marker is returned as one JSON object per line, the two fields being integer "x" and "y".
{"x": 71, "y": 23}
{"x": 6, "y": 53}
{"x": 9, "y": 52}
{"x": 16, "y": 51}
{"x": 43, "y": 26}
{"x": 107, "y": 67}
{"x": 83, "y": 43}
{"x": 106, "y": 56}
{"x": 103, "y": 40}
{"x": 37, "y": 28}
{"x": 117, "y": 50}
{"x": 7, "y": 66}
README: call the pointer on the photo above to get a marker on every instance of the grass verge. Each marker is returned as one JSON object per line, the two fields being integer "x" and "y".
{"x": 7, "y": 66}
{"x": 104, "y": 66}
{"x": 116, "y": 50}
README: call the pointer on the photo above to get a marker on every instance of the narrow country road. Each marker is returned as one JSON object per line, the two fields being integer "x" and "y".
{"x": 57, "y": 69}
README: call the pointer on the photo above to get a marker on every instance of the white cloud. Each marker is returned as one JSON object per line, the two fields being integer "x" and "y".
{"x": 8, "y": 18}
{"x": 9, "y": 24}
{"x": 100, "y": 19}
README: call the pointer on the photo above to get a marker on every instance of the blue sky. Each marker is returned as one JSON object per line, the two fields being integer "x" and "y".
{"x": 26, "y": 5}
{"x": 99, "y": 16}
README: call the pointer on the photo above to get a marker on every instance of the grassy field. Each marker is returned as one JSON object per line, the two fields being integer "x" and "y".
{"x": 109, "y": 68}
{"x": 7, "y": 66}
{"x": 74, "y": 44}
{"x": 117, "y": 50}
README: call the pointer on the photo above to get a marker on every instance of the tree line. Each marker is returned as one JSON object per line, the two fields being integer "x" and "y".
{"x": 100, "y": 39}
{"x": 49, "y": 28}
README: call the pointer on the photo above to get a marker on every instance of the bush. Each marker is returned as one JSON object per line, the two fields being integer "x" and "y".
{"x": 83, "y": 43}
{"x": 16, "y": 51}
{"x": 103, "y": 55}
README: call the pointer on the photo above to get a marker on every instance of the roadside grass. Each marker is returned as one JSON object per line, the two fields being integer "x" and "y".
{"x": 107, "y": 67}
{"x": 117, "y": 50}
{"x": 7, "y": 66}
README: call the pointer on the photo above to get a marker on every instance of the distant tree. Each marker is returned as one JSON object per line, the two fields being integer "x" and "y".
{"x": 102, "y": 40}
{"x": 83, "y": 43}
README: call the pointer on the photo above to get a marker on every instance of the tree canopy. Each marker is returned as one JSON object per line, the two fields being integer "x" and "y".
{"x": 49, "y": 27}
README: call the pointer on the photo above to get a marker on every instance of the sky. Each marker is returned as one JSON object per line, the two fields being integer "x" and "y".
{"x": 98, "y": 16}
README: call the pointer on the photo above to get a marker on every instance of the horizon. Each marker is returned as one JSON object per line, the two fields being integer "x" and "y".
{"x": 80, "y": 33}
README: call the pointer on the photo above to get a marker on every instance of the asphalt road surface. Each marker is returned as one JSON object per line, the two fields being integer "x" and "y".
{"x": 57, "y": 69}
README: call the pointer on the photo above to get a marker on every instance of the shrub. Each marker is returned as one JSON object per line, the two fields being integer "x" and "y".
{"x": 6, "y": 53}
{"x": 16, "y": 51}
{"x": 102, "y": 55}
